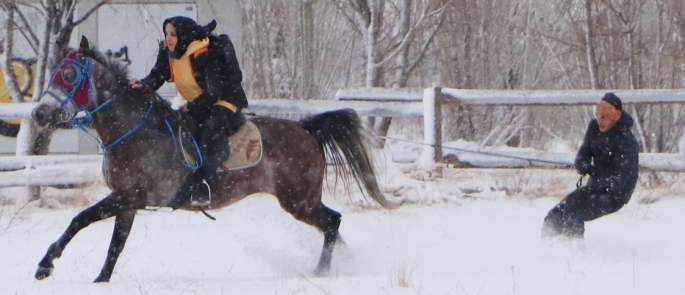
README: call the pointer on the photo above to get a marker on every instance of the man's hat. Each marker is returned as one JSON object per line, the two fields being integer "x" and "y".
{"x": 613, "y": 100}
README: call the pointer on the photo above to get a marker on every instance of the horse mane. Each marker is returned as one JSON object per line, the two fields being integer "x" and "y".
{"x": 119, "y": 70}
{"x": 115, "y": 67}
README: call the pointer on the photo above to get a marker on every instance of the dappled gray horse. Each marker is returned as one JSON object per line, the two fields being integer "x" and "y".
{"x": 142, "y": 166}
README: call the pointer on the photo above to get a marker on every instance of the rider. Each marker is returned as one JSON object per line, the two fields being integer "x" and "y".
{"x": 208, "y": 77}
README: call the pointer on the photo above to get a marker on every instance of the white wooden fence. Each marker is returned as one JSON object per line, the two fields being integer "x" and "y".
{"x": 426, "y": 103}
{"x": 433, "y": 99}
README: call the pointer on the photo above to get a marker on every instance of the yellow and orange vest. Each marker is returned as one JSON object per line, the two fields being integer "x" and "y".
{"x": 183, "y": 75}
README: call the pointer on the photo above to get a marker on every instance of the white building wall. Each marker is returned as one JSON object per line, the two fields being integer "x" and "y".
{"x": 137, "y": 25}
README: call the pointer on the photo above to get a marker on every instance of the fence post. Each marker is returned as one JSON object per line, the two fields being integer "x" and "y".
{"x": 27, "y": 133}
{"x": 437, "y": 123}
{"x": 432, "y": 126}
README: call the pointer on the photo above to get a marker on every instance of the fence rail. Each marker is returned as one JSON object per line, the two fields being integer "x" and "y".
{"x": 53, "y": 175}
{"x": 556, "y": 97}
{"x": 18, "y": 163}
{"x": 17, "y": 110}
{"x": 437, "y": 97}
{"x": 426, "y": 103}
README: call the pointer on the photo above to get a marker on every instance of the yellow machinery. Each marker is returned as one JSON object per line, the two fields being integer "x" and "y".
{"x": 23, "y": 69}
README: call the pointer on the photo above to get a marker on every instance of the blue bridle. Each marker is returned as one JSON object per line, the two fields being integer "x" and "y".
{"x": 83, "y": 75}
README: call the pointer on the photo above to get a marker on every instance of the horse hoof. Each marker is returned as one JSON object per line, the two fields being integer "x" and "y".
{"x": 100, "y": 279}
{"x": 43, "y": 272}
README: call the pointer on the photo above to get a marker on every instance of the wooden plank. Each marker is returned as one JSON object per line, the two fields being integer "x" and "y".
{"x": 559, "y": 97}
{"x": 60, "y": 174}
{"x": 17, "y": 110}
{"x": 380, "y": 94}
{"x": 363, "y": 108}
{"x": 16, "y": 163}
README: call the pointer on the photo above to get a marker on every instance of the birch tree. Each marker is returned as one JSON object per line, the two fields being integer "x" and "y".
{"x": 57, "y": 25}
{"x": 6, "y": 53}
{"x": 388, "y": 30}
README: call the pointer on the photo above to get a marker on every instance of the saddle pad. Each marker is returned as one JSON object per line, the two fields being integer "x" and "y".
{"x": 246, "y": 148}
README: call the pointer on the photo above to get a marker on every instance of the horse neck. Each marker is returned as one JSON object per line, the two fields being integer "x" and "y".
{"x": 122, "y": 114}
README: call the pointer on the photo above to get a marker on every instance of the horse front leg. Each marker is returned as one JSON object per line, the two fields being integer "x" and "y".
{"x": 107, "y": 207}
{"x": 122, "y": 227}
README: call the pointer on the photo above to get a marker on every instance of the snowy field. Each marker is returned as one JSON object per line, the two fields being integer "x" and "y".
{"x": 464, "y": 231}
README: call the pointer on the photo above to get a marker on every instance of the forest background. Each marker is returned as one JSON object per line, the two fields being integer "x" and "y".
{"x": 308, "y": 49}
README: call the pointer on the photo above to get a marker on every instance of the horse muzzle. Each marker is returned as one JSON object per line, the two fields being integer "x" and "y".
{"x": 46, "y": 115}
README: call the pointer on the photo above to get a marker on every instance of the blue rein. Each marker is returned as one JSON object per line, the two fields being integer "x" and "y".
{"x": 78, "y": 122}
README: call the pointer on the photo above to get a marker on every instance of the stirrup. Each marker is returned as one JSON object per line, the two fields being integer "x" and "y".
{"x": 202, "y": 196}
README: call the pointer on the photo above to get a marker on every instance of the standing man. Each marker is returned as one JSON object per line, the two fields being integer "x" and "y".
{"x": 609, "y": 154}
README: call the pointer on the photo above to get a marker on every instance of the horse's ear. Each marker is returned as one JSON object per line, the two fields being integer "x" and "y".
{"x": 84, "y": 47}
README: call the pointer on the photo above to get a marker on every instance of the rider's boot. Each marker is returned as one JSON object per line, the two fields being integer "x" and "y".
{"x": 190, "y": 184}
{"x": 202, "y": 193}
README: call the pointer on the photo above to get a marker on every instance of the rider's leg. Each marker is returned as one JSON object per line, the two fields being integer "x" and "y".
{"x": 221, "y": 123}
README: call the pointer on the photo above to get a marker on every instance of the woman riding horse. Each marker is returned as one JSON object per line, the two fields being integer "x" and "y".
{"x": 142, "y": 166}
{"x": 208, "y": 77}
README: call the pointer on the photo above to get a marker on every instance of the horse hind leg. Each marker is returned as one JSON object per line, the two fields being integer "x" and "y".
{"x": 324, "y": 219}
{"x": 328, "y": 221}
{"x": 339, "y": 240}
{"x": 107, "y": 207}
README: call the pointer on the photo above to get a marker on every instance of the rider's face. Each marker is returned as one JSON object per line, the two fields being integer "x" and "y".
{"x": 170, "y": 36}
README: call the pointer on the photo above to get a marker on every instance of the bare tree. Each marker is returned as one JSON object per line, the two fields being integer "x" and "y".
{"x": 388, "y": 30}
{"x": 58, "y": 24}
{"x": 485, "y": 44}
{"x": 10, "y": 80}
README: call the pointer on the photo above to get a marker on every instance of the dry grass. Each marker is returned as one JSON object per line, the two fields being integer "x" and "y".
{"x": 12, "y": 212}
{"x": 401, "y": 274}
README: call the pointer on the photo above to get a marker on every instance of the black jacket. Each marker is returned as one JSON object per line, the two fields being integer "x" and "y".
{"x": 610, "y": 158}
{"x": 216, "y": 72}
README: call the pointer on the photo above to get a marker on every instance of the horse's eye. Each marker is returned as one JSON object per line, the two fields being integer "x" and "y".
{"x": 69, "y": 74}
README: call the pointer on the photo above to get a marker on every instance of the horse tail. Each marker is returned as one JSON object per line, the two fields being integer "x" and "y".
{"x": 9, "y": 129}
{"x": 342, "y": 140}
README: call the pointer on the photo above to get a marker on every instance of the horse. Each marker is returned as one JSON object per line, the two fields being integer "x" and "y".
{"x": 141, "y": 159}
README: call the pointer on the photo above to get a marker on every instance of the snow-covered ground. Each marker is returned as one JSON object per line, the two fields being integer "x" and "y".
{"x": 464, "y": 231}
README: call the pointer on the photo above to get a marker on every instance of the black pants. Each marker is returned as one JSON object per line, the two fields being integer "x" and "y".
{"x": 584, "y": 204}
{"x": 212, "y": 135}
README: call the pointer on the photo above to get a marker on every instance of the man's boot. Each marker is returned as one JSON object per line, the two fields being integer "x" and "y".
{"x": 551, "y": 225}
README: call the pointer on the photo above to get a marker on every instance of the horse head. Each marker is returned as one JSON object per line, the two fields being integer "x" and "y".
{"x": 69, "y": 91}
{"x": 95, "y": 87}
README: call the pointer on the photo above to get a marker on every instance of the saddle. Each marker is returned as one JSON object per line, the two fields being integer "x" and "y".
{"x": 245, "y": 145}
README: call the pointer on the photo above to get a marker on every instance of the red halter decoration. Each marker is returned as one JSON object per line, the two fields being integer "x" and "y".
{"x": 76, "y": 87}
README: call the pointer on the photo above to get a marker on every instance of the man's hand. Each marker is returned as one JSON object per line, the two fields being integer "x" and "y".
{"x": 586, "y": 170}
{"x": 183, "y": 108}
